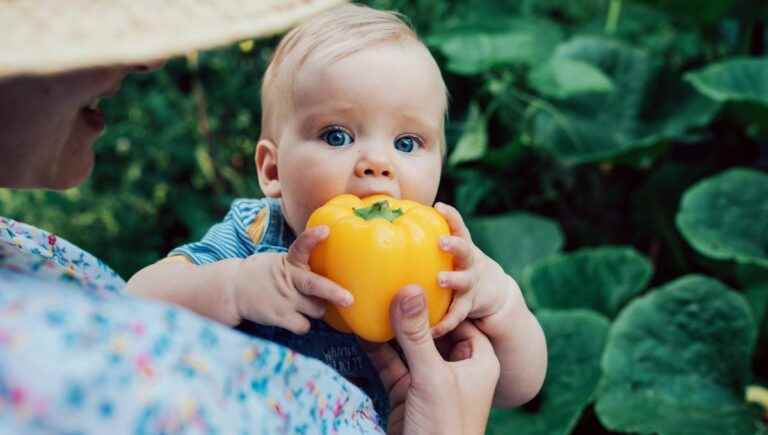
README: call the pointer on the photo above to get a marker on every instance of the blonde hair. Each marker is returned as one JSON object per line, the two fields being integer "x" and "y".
{"x": 331, "y": 36}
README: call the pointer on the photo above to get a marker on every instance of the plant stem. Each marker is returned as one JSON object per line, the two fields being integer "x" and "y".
{"x": 612, "y": 20}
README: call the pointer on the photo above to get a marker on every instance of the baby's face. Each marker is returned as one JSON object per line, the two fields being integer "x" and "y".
{"x": 369, "y": 123}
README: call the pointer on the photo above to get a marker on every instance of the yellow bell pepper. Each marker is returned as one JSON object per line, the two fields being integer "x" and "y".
{"x": 376, "y": 246}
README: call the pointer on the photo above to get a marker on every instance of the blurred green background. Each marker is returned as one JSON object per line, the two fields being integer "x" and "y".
{"x": 610, "y": 154}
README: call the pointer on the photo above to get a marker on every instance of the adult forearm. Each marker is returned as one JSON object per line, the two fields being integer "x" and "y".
{"x": 203, "y": 289}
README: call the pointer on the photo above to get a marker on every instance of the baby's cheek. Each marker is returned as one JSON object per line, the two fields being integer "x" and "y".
{"x": 305, "y": 199}
{"x": 420, "y": 182}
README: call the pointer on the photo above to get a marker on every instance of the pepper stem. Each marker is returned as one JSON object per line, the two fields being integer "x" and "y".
{"x": 379, "y": 209}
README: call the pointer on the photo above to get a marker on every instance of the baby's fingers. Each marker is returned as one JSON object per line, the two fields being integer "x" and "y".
{"x": 459, "y": 310}
{"x": 461, "y": 281}
{"x": 462, "y": 250}
{"x": 295, "y": 323}
{"x": 301, "y": 248}
{"x": 454, "y": 219}
{"x": 312, "y": 284}
{"x": 311, "y": 306}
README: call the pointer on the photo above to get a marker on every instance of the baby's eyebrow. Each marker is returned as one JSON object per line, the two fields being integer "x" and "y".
{"x": 315, "y": 117}
{"x": 420, "y": 121}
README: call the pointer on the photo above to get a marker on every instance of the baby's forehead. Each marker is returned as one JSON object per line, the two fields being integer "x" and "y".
{"x": 399, "y": 73}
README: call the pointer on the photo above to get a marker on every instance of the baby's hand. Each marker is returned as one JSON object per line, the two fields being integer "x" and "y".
{"x": 481, "y": 285}
{"x": 281, "y": 290}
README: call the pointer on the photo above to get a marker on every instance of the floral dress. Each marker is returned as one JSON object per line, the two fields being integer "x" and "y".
{"x": 78, "y": 356}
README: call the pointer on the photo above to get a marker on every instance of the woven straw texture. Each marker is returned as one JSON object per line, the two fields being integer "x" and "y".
{"x": 46, "y": 36}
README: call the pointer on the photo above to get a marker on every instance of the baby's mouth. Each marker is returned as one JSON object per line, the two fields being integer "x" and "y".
{"x": 366, "y": 194}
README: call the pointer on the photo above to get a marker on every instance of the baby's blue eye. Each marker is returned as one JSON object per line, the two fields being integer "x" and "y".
{"x": 337, "y": 137}
{"x": 406, "y": 144}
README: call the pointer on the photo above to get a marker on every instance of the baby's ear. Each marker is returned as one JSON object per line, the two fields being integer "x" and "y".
{"x": 266, "y": 166}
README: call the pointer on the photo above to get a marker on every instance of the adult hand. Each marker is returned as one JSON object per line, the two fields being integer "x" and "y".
{"x": 428, "y": 394}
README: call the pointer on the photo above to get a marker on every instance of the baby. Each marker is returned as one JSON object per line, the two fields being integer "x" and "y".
{"x": 352, "y": 102}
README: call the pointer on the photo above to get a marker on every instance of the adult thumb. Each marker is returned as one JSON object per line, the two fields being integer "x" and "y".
{"x": 410, "y": 321}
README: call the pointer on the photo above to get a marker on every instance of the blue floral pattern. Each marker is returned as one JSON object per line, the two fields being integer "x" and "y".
{"x": 81, "y": 357}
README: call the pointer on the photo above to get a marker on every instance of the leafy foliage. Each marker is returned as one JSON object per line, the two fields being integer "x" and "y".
{"x": 602, "y": 279}
{"x": 677, "y": 362}
{"x": 573, "y": 378}
{"x": 574, "y": 126}
{"x": 718, "y": 216}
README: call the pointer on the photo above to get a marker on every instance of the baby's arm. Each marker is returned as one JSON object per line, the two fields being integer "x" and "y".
{"x": 203, "y": 289}
{"x": 267, "y": 288}
{"x": 492, "y": 299}
{"x": 521, "y": 347}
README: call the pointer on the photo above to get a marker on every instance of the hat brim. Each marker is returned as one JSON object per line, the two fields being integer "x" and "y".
{"x": 50, "y": 36}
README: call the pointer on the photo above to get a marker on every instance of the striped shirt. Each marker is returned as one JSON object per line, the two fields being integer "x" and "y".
{"x": 257, "y": 225}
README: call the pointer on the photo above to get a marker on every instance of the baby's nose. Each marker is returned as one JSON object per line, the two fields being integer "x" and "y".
{"x": 373, "y": 168}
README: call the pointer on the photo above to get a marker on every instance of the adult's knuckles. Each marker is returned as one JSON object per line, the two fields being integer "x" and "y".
{"x": 417, "y": 332}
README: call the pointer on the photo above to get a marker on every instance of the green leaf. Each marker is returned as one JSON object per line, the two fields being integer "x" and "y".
{"x": 516, "y": 239}
{"x": 677, "y": 362}
{"x": 649, "y": 105}
{"x": 473, "y": 49}
{"x": 472, "y": 186}
{"x": 724, "y": 216}
{"x": 571, "y": 376}
{"x": 474, "y": 140}
{"x": 733, "y": 80}
{"x": 602, "y": 279}
{"x": 563, "y": 78}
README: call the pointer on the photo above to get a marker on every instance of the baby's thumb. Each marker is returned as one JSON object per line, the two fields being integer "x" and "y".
{"x": 301, "y": 249}
{"x": 410, "y": 321}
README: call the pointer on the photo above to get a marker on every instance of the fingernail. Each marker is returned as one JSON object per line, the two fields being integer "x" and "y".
{"x": 348, "y": 300}
{"x": 444, "y": 243}
{"x": 321, "y": 231}
{"x": 441, "y": 279}
{"x": 412, "y": 306}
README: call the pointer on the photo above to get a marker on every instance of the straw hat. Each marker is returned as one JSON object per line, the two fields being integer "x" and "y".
{"x": 47, "y": 36}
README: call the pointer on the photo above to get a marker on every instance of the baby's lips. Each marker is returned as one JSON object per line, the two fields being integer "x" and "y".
{"x": 364, "y": 193}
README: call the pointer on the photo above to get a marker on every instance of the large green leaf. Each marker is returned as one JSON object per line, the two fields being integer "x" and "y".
{"x": 563, "y": 78}
{"x": 516, "y": 239}
{"x": 474, "y": 140}
{"x": 677, "y": 362}
{"x": 575, "y": 342}
{"x": 726, "y": 216}
{"x": 648, "y": 105}
{"x": 474, "y": 48}
{"x": 601, "y": 279}
{"x": 733, "y": 80}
